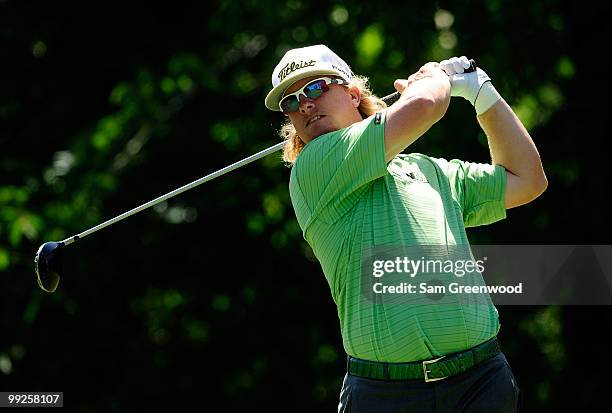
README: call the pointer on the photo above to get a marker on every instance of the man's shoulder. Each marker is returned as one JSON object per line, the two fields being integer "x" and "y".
{"x": 315, "y": 146}
{"x": 309, "y": 157}
{"x": 321, "y": 145}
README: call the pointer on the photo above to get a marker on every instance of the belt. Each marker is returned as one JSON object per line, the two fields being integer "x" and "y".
{"x": 428, "y": 370}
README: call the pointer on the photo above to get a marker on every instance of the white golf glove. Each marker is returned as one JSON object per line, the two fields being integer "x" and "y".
{"x": 475, "y": 87}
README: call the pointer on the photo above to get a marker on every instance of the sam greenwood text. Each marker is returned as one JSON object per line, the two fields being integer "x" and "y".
{"x": 452, "y": 288}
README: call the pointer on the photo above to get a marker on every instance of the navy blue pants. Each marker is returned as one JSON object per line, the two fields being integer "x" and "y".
{"x": 487, "y": 387}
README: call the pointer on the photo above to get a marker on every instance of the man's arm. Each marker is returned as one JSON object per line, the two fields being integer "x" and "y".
{"x": 512, "y": 147}
{"x": 509, "y": 142}
{"x": 424, "y": 101}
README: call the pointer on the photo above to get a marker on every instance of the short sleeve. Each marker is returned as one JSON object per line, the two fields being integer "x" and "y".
{"x": 334, "y": 170}
{"x": 479, "y": 189}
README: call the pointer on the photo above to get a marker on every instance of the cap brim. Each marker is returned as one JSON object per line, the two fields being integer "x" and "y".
{"x": 273, "y": 98}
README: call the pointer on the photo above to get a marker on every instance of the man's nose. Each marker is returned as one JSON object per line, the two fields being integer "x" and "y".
{"x": 306, "y": 104}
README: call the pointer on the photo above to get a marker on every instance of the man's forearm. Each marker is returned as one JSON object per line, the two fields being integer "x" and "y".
{"x": 424, "y": 100}
{"x": 511, "y": 145}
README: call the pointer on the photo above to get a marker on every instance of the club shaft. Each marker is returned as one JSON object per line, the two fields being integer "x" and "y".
{"x": 177, "y": 191}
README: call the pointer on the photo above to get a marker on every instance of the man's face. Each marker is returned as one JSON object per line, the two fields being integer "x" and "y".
{"x": 333, "y": 110}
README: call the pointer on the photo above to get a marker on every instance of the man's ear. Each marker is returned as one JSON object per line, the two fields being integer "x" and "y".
{"x": 355, "y": 96}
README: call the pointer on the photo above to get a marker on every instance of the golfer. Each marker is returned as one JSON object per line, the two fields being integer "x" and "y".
{"x": 352, "y": 189}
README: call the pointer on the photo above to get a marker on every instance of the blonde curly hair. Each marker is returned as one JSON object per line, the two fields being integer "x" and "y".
{"x": 369, "y": 105}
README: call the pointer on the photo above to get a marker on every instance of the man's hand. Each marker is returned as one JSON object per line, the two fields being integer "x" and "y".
{"x": 455, "y": 65}
{"x": 428, "y": 70}
{"x": 475, "y": 87}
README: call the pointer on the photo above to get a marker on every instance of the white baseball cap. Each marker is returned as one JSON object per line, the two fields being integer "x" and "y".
{"x": 303, "y": 62}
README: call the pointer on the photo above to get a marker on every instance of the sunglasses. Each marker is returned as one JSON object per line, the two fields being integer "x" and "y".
{"x": 312, "y": 90}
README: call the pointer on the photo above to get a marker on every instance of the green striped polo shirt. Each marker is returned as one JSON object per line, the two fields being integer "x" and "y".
{"x": 347, "y": 198}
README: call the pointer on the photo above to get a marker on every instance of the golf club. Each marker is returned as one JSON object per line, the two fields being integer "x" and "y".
{"x": 48, "y": 259}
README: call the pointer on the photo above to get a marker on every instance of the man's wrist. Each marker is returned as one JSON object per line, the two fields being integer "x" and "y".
{"x": 487, "y": 96}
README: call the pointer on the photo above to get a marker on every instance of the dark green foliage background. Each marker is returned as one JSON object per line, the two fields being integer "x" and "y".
{"x": 214, "y": 298}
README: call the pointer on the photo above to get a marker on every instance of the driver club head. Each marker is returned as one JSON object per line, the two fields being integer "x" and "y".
{"x": 48, "y": 265}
